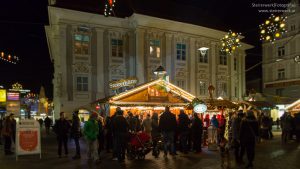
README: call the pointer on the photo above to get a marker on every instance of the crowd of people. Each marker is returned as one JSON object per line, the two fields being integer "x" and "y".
{"x": 183, "y": 132}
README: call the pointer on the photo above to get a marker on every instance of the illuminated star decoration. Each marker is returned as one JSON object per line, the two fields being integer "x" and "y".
{"x": 108, "y": 10}
{"x": 273, "y": 28}
{"x": 230, "y": 42}
{"x": 8, "y": 58}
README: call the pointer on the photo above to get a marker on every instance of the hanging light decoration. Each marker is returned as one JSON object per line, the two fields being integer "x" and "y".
{"x": 108, "y": 9}
{"x": 273, "y": 28}
{"x": 9, "y": 58}
{"x": 230, "y": 42}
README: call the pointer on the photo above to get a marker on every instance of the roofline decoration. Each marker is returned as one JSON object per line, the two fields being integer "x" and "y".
{"x": 289, "y": 107}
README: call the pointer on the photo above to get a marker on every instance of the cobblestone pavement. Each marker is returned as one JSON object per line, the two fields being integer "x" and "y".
{"x": 270, "y": 154}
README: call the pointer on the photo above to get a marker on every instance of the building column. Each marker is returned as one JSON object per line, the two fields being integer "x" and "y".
{"x": 100, "y": 63}
{"x": 168, "y": 50}
{"x": 213, "y": 66}
{"x": 192, "y": 67}
{"x": 139, "y": 55}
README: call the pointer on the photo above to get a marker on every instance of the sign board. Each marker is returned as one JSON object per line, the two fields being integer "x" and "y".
{"x": 123, "y": 83}
{"x": 13, "y": 107}
{"x": 13, "y": 96}
{"x": 28, "y": 138}
{"x": 2, "y": 95}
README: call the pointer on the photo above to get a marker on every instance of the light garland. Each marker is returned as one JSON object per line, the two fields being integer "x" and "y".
{"x": 230, "y": 42}
{"x": 8, "y": 58}
{"x": 108, "y": 9}
{"x": 273, "y": 28}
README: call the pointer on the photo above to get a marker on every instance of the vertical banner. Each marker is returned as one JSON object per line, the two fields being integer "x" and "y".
{"x": 28, "y": 138}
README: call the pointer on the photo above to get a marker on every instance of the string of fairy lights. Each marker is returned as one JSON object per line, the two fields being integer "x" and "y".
{"x": 230, "y": 42}
{"x": 108, "y": 8}
{"x": 273, "y": 28}
{"x": 9, "y": 58}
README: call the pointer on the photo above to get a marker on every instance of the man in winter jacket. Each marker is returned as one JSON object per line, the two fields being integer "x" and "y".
{"x": 7, "y": 133}
{"x": 121, "y": 128}
{"x": 91, "y": 131}
{"x": 61, "y": 128}
{"x": 248, "y": 135}
{"x": 167, "y": 125}
{"x": 183, "y": 127}
{"x": 76, "y": 133}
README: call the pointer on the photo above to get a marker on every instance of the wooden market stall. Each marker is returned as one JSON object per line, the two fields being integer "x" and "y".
{"x": 294, "y": 107}
{"x": 148, "y": 98}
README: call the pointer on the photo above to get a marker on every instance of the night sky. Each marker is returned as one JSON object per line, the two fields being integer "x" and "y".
{"x": 22, "y": 30}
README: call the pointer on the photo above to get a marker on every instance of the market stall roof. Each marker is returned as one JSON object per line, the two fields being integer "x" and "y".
{"x": 157, "y": 92}
{"x": 294, "y": 107}
{"x": 213, "y": 103}
{"x": 258, "y": 104}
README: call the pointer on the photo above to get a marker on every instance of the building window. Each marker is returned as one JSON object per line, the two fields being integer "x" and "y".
{"x": 235, "y": 64}
{"x": 181, "y": 84}
{"x": 281, "y": 74}
{"x": 116, "y": 48}
{"x": 82, "y": 83}
{"x": 81, "y": 43}
{"x": 203, "y": 89}
{"x": 222, "y": 89}
{"x": 155, "y": 48}
{"x": 181, "y": 51}
{"x": 279, "y": 92}
{"x": 281, "y": 51}
{"x": 203, "y": 58}
{"x": 223, "y": 58}
{"x": 293, "y": 27}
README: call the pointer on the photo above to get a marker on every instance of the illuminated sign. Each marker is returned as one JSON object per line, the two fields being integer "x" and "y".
{"x": 2, "y": 95}
{"x": 200, "y": 108}
{"x": 13, "y": 96}
{"x": 123, "y": 83}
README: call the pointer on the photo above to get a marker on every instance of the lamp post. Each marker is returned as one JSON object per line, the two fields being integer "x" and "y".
{"x": 160, "y": 72}
{"x": 203, "y": 50}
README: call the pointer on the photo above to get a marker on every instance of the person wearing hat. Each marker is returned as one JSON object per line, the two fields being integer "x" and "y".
{"x": 76, "y": 133}
{"x": 91, "y": 131}
{"x": 7, "y": 133}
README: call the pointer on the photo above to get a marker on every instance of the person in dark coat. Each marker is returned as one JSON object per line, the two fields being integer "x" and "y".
{"x": 197, "y": 129}
{"x": 108, "y": 134}
{"x": 248, "y": 136}
{"x": 1, "y": 126}
{"x": 155, "y": 132}
{"x": 297, "y": 126}
{"x": 183, "y": 128}
{"x": 48, "y": 123}
{"x": 286, "y": 126}
{"x": 76, "y": 133}
{"x": 101, "y": 134}
{"x": 120, "y": 127}
{"x": 61, "y": 128}
{"x": 7, "y": 133}
{"x": 236, "y": 126}
{"x": 167, "y": 126}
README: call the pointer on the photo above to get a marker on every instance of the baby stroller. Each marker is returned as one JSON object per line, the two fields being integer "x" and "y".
{"x": 139, "y": 145}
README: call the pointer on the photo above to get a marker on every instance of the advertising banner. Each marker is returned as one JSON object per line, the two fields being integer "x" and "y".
{"x": 2, "y": 95}
{"x": 28, "y": 138}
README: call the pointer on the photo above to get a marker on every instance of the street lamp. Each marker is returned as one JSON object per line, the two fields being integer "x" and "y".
{"x": 297, "y": 59}
{"x": 203, "y": 50}
{"x": 160, "y": 72}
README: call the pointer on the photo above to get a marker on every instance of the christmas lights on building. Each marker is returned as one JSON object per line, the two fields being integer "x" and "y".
{"x": 230, "y": 42}
{"x": 9, "y": 58}
{"x": 108, "y": 9}
{"x": 273, "y": 28}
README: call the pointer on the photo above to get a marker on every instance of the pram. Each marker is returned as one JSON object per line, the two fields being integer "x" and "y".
{"x": 139, "y": 145}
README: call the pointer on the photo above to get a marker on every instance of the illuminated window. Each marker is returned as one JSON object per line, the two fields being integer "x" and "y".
{"x": 181, "y": 51}
{"x": 116, "y": 48}
{"x": 82, "y": 83}
{"x": 154, "y": 48}
{"x": 81, "y": 43}
{"x": 223, "y": 58}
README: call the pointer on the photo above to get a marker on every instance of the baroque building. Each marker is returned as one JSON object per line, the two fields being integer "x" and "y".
{"x": 90, "y": 50}
{"x": 281, "y": 72}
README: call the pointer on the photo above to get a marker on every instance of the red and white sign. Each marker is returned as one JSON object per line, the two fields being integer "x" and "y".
{"x": 28, "y": 138}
